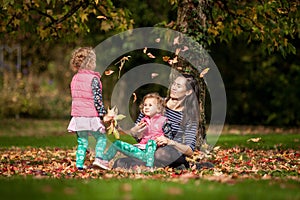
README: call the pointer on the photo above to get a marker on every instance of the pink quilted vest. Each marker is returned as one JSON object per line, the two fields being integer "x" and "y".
{"x": 82, "y": 95}
{"x": 154, "y": 127}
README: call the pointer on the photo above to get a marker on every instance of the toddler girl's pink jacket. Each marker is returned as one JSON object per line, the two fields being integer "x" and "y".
{"x": 82, "y": 94}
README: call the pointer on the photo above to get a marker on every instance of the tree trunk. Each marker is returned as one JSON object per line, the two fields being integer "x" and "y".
{"x": 191, "y": 18}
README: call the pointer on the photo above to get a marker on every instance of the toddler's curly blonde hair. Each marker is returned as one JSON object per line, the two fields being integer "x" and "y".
{"x": 83, "y": 58}
{"x": 160, "y": 102}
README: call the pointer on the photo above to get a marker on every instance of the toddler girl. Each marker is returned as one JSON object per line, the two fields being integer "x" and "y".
{"x": 87, "y": 106}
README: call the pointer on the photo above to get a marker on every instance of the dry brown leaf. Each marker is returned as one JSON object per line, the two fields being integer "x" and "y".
{"x": 166, "y": 58}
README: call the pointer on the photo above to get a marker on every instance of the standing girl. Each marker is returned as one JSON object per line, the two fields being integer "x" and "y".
{"x": 87, "y": 106}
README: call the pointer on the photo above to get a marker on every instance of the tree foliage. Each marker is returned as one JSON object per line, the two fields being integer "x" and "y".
{"x": 272, "y": 23}
{"x": 254, "y": 32}
{"x": 60, "y": 18}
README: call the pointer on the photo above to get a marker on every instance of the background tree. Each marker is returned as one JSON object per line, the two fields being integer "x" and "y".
{"x": 255, "y": 45}
{"x": 274, "y": 24}
{"x": 46, "y": 32}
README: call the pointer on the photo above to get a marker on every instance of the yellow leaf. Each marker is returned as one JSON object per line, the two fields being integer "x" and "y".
{"x": 83, "y": 16}
{"x": 43, "y": 33}
{"x": 241, "y": 158}
{"x": 109, "y": 131}
{"x": 16, "y": 22}
{"x": 101, "y": 17}
{"x": 145, "y": 50}
{"x": 134, "y": 97}
{"x": 116, "y": 134}
{"x": 106, "y": 26}
{"x": 204, "y": 72}
{"x": 254, "y": 139}
{"x": 120, "y": 117}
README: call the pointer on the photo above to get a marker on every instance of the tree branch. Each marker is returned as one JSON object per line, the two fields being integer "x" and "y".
{"x": 74, "y": 9}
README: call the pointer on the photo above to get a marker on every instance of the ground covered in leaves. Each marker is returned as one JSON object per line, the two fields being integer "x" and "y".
{"x": 230, "y": 165}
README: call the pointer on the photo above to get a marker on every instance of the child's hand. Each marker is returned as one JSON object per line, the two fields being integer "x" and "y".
{"x": 138, "y": 129}
{"x": 108, "y": 118}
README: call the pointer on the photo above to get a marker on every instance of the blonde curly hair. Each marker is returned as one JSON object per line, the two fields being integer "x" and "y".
{"x": 83, "y": 58}
{"x": 160, "y": 102}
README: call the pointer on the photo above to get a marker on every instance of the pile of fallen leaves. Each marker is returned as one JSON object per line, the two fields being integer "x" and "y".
{"x": 229, "y": 165}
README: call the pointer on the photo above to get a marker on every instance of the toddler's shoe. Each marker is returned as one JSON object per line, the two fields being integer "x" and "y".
{"x": 82, "y": 168}
{"x": 103, "y": 164}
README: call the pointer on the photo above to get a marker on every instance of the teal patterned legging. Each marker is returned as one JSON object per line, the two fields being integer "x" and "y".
{"x": 83, "y": 143}
{"x": 146, "y": 155}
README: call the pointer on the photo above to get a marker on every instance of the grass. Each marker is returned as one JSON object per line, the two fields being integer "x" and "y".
{"x": 68, "y": 140}
{"x": 29, "y": 127}
{"x": 52, "y": 133}
{"x": 19, "y": 188}
{"x": 267, "y": 141}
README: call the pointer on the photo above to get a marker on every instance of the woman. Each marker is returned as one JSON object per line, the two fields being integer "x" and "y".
{"x": 182, "y": 111}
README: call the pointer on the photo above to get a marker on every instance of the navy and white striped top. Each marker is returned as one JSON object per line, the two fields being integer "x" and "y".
{"x": 182, "y": 134}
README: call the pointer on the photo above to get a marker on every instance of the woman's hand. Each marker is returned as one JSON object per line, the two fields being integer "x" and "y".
{"x": 185, "y": 149}
{"x": 162, "y": 141}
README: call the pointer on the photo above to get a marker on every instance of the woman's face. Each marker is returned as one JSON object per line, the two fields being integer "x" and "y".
{"x": 178, "y": 88}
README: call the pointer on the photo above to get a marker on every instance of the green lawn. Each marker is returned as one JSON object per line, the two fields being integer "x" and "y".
{"x": 45, "y": 133}
{"x": 19, "y": 188}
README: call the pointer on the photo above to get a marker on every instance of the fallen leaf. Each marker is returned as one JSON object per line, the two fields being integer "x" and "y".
{"x": 134, "y": 97}
{"x": 120, "y": 117}
{"x": 153, "y": 75}
{"x": 101, "y": 17}
{"x": 109, "y": 72}
{"x": 204, "y": 72}
{"x": 122, "y": 62}
{"x": 175, "y": 60}
{"x": 254, "y": 139}
{"x": 150, "y": 55}
{"x": 176, "y": 40}
{"x": 185, "y": 48}
{"x": 166, "y": 58}
{"x": 145, "y": 50}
